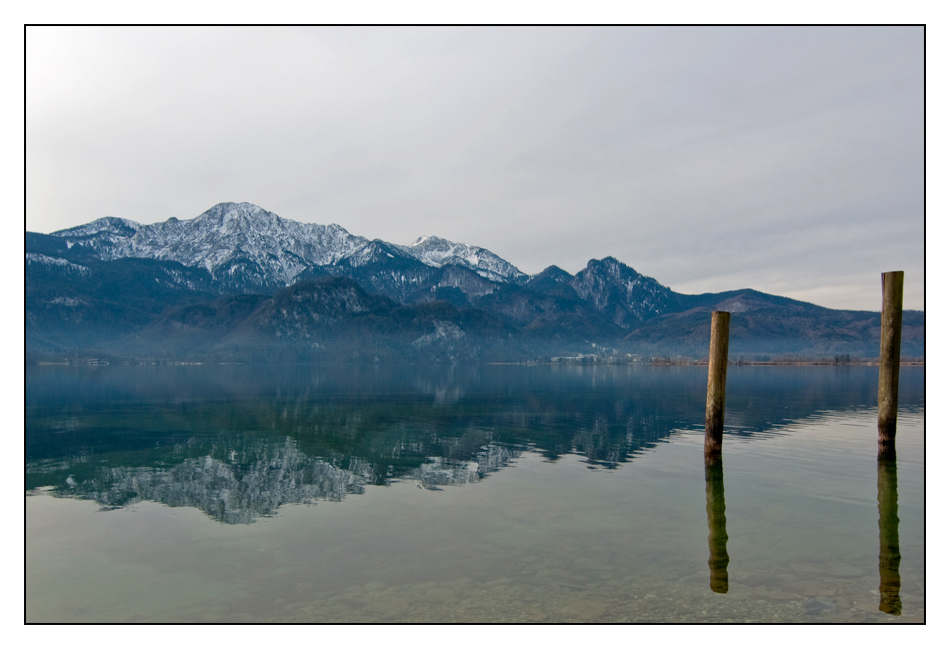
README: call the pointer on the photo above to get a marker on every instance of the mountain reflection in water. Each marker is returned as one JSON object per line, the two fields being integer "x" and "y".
{"x": 237, "y": 442}
{"x": 243, "y": 478}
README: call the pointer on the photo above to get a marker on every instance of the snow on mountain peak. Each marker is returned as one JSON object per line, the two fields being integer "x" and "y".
{"x": 230, "y": 238}
{"x": 107, "y": 224}
{"x": 435, "y": 251}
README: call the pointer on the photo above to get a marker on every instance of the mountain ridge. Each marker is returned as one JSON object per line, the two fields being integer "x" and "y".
{"x": 99, "y": 283}
{"x": 220, "y": 238}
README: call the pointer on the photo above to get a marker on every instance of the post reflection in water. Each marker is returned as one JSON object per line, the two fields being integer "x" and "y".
{"x": 716, "y": 515}
{"x": 889, "y": 560}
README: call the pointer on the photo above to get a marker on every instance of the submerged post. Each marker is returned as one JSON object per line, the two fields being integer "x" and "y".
{"x": 716, "y": 386}
{"x": 892, "y": 285}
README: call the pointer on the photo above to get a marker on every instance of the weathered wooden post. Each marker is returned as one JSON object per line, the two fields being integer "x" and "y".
{"x": 892, "y": 285}
{"x": 889, "y": 558}
{"x": 716, "y": 386}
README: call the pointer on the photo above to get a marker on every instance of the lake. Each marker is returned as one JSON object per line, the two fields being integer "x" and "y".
{"x": 235, "y": 493}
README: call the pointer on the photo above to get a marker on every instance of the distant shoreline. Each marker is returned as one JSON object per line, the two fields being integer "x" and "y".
{"x": 563, "y": 361}
{"x": 664, "y": 362}
{"x": 791, "y": 363}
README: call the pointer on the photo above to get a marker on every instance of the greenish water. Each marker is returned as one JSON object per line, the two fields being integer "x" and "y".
{"x": 493, "y": 493}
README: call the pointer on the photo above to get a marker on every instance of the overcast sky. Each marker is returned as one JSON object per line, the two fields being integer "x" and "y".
{"x": 789, "y": 160}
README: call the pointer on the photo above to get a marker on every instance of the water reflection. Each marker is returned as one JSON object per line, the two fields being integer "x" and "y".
{"x": 253, "y": 479}
{"x": 238, "y": 479}
{"x": 889, "y": 560}
{"x": 716, "y": 517}
{"x": 238, "y": 442}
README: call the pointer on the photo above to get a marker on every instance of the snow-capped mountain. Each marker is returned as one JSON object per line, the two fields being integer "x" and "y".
{"x": 434, "y": 251}
{"x": 239, "y": 241}
{"x": 375, "y": 252}
{"x": 241, "y": 244}
{"x": 108, "y": 227}
{"x": 227, "y": 282}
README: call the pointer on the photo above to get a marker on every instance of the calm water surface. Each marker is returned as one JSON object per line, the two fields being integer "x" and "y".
{"x": 494, "y": 493}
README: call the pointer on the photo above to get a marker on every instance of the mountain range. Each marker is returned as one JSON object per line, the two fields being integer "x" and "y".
{"x": 239, "y": 282}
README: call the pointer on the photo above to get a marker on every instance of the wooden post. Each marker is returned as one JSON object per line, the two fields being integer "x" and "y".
{"x": 716, "y": 386}
{"x": 892, "y": 285}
